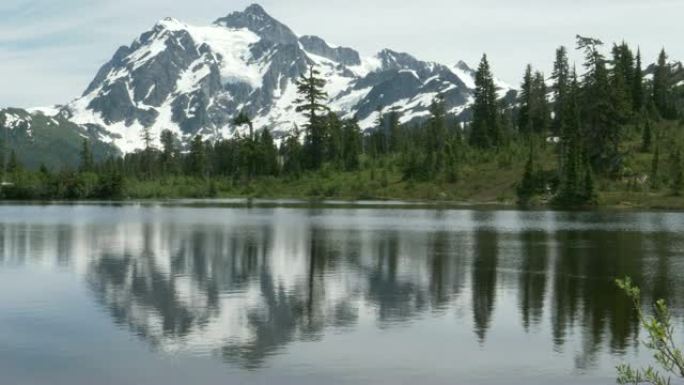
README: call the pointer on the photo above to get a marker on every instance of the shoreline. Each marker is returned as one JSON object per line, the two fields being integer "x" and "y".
{"x": 343, "y": 203}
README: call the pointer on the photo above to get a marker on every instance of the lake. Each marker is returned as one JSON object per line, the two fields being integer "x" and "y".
{"x": 208, "y": 293}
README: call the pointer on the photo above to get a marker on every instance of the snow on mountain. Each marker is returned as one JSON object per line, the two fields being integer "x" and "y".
{"x": 194, "y": 79}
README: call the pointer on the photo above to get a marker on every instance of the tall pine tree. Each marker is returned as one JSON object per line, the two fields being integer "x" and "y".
{"x": 662, "y": 87}
{"x": 638, "y": 85}
{"x": 486, "y": 130}
{"x": 601, "y": 118}
{"x": 311, "y": 103}
{"x": 561, "y": 84}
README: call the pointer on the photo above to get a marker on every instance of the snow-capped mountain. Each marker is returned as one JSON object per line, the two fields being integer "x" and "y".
{"x": 195, "y": 79}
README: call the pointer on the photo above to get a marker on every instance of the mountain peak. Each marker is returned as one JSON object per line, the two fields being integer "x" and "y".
{"x": 257, "y": 20}
{"x": 318, "y": 46}
{"x": 170, "y": 23}
{"x": 463, "y": 65}
{"x": 255, "y": 9}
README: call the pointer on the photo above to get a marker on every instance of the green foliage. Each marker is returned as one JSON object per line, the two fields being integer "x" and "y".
{"x": 677, "y": 174}
{"x": 486, "y": 131}
{"x": 655, "y": 164}
{"x": 646, "y": 137}
{"x": 87, "y": 162}
{"x": 663, "y": 92}
{"x": 660, "y": 341}
{"x": 528, "y": 186}
{"x": 311, "y": 103}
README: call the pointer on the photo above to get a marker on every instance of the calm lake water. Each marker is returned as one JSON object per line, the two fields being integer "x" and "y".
{"x": 178, "y": 294}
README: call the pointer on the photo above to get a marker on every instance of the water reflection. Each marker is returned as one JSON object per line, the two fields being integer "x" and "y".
{"x": 245, "y": 284}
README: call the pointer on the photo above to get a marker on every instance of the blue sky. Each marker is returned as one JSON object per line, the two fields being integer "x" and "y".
{"x": 51, "y": 49}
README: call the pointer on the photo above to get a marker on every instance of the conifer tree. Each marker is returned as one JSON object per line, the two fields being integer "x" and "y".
{"x": 527, "y": 188}
{"x": 624, "y": 73}
{"x": 87, "y": 162}
{"x": 677, "y": 178}
{"x": 646, "y": 137}
{"x": 170, "y": 152}
{"x": 602, "y": 130}
{"x": 571, "y": 191}
{"x": 351, "y": 144}
{"x": 539, "y": 111}
{"x": 638, "y": 85}
{"x": 3, "y": 160}
{"x": 292, "y": 153}
{"x": 243, "y": 119}
{"x": 486, "y": 129}
{"x": 561, "y": 84}
{"x": 589, "y": 196}
{"x": 662, "y": 87}
{"x": 394, "y": 131}
{"x": 267, "y": 154}
{"x": 621, "y": 79}
{"x": 147, "y": 138}
{"x": 311, "y": 103}
{"x": 655, "y": 164}
{"x": 13, "y": 164}
{"x": 197, "y": 160}
{"x": 525, "y": 100}
{"x": 436, "y": 134}
{"x": 334, "y": 140}
{"x": 249, "y": 149}
{"x": 147, "y": 159}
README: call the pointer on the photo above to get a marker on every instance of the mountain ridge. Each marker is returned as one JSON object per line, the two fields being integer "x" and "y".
{"x": 193, "y": 80}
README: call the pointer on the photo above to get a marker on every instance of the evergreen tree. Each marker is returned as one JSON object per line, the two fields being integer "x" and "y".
{"x": 243, "y": 119}
{"x": 334, "y": 140}
{"x": 13, "y": 164}
{"x": 436, "y": 134}
{"x": 268, "y": 154}
{"x": 602, "y": 130}
{"x": 87, "y": 162}
{"x": 624, "y": 75}
{"x": 3, "y": 160}
{"x": 311, "y": 103}
{"x": 539, "y": 109}
{"x": 292, "y": 154}
{"x": 376, "y": 140}
{"x": 525, "y": 101}
{"x": 486, "y": 129}
{"x": 249, "y": 147}
{"x": 638, "y": 85}
{"x": 197, "y": 160}
{"x": 655, "y": 164}
{"x": 394, "y": 131}
{"x": 147, "y": 159}
{"x": 571, "y": 191}
{"x": 589, "y": 196}
{"x": 452, "y": 152}
{"x": 170, "y": 152}
{"x": 646, "y": 137}
{"x": 351, "y": 144}
{"x": 147, "y": 138}
{"x": 662, "y": 84}
{"x": 528, "y": 186}
{"x": 677, "y": 177}
{"x": 561, "y": 84}
{"x": 621, "y": 80}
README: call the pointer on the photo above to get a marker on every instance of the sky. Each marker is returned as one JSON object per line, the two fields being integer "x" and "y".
{"x": 51, "y": 49}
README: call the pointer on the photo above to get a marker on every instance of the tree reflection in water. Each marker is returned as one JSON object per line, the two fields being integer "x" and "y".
{"x": 246, "y": 288}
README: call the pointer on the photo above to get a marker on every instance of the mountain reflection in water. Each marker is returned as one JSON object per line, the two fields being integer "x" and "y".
{"x": 244, "y": 284}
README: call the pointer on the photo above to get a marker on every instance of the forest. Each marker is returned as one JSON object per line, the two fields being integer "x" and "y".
{"x": 608, "y": 133}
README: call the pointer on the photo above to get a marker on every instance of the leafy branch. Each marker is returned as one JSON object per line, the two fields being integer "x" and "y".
{"x": 660, "y": 340}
